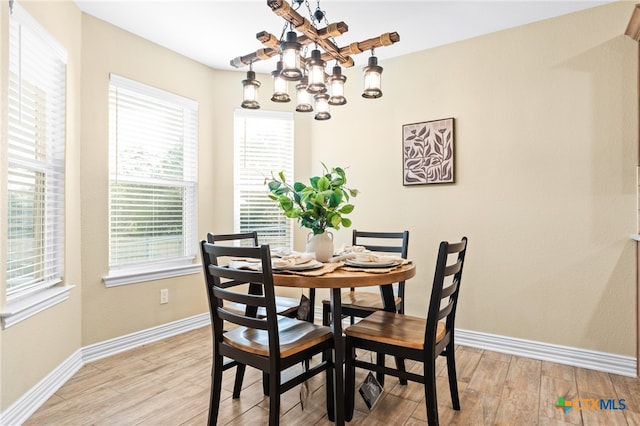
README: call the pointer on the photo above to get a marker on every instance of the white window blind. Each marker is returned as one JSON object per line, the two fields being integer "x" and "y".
{"x": 35, "y": 156}
{"x": 152, "y": 173}
{"x": 263, "y": 144}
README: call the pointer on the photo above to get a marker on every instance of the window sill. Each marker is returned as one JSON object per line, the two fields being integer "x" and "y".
{"x": 28, "y": 306}
{"x": 135, "y": 276}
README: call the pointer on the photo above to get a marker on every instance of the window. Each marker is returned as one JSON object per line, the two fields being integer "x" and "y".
{"x": 152, "y": 178}
{"x": 35, "y": 157}
{"x": 263, "y": 144}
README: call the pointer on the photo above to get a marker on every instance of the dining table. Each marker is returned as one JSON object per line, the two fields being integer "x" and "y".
{"x": 335, "y": 278}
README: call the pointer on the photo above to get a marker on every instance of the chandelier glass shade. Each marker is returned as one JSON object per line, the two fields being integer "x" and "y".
{"x": 372, "y": 79}
{"x": 322, "y": 107}
{"x": 336, "y": 83}
{"x": 291, "y": 57}
{"x": 315, "y": 88}
{"x": 315, "y": 71}
{"x": 250, "y": 88}
{"x": 280, "y": 86}
{"x": 303, "y": 98}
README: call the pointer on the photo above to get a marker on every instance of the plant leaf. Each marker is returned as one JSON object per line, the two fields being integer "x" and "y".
{"x": 346, "y": 209}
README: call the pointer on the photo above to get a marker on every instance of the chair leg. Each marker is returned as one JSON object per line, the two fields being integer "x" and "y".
{"x": 329, "y": 385}
{"x": 326, "y": 314}
{"x": 453, "y": 378}
{"x": 265, "y": 383}
{"x": 312, "y": 304}
{"x": 349, "y": 380}
{"x": 216, "y": 389}
{"x": 380, "y": 363}
{"x": 274, "y": 399}
{"x": 430, "y": 395}
{"x": 237, "y": 386}
{"x": 400, "y": 366}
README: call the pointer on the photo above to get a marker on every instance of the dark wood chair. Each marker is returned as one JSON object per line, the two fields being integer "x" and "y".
{"x": 272, "y": 343}
{"x": 359, "y": 304}
{"x": 412, "y": 337}
{"x": 286, "y": 306}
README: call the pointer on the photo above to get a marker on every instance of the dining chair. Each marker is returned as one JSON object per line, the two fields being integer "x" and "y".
{"x": 272, "y": 343}
{"x": 416, "y": 338}
{"x": 286, "y": 306}
{"x": 359, "y": 304}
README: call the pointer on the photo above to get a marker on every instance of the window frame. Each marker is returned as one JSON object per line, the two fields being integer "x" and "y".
{"x": 155, "y": 269}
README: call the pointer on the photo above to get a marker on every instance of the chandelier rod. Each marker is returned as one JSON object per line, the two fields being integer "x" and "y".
{"x": 312, "y": 35}
{"x": 273, "y": 44}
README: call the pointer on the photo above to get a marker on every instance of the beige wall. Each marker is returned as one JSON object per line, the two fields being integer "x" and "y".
{"x": 546, "y": 148}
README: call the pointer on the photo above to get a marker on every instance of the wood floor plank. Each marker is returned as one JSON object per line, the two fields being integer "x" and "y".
{"x": 467, "y": 360}
{"x": 517, "y": 407}
{"x": 477, "y": 408}
{"x": 489, "y": 375}
{"x": 594, "y": 383}
{"x": 524, "y": 375}
{"x": 551, "y": 388}
{"x": 559, "y": 371}
{"x": 167, "y": 383}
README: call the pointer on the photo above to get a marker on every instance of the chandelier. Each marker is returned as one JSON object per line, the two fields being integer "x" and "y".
{"x": 314, "y": 88}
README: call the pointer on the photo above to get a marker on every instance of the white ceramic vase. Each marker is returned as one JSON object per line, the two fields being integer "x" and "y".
{"x": 321, "y": 245}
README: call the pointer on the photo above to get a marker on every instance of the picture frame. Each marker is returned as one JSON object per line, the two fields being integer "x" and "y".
{"x": 428, "y": 152}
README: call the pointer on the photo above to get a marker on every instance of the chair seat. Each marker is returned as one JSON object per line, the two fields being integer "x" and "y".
{"x": 394, "y": 329}
{"x": 363, "y": 300}
{"x": 286, "y": 306}
{"x": 295, "y": 336}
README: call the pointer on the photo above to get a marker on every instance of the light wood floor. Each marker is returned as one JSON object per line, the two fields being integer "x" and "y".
{"x": 167, "y": 383}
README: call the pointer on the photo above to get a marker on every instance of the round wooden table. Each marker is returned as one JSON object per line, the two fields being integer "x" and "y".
{"x": 336, "y": 281}
{"x": 341, "y": 278}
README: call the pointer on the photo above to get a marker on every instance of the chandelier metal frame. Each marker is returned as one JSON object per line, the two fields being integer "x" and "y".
{"x": 322, "y": 38}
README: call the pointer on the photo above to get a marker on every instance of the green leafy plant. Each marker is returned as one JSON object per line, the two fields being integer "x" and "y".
{"x": 320, "y": 205}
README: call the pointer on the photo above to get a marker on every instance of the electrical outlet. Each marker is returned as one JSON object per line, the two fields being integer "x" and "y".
{"x": 164, "y": 296}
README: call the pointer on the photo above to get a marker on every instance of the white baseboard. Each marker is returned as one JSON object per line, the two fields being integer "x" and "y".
{"x": 26, "y": 405}
{"x": 124, "y": 343}
{"x": 583, "y": 358}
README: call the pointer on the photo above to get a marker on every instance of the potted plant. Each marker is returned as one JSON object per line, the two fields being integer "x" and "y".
{"x": 322, "y": 204}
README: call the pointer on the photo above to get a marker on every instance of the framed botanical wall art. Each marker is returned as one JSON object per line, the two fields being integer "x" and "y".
{"x": 427, "y": 152}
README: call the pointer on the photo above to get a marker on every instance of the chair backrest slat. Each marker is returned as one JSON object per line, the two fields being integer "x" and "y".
{"x": 237, "y": 297}
{"x": 449, "y": 290}
{"x": 383, "y": 249}
{"x": 259, "y": 323}
{"x": 238, "y": 275}
{"x": 376, "y": 241}
{"x": 445, "y": 310}
{"x": 242, "y": 236}
{"x": 456, "y": 247}
{"x": 452, "y": 269}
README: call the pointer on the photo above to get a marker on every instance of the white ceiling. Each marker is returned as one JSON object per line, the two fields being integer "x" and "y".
{"x": 213, "y": 32}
